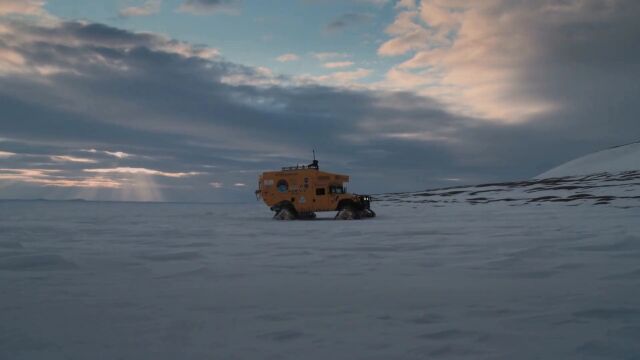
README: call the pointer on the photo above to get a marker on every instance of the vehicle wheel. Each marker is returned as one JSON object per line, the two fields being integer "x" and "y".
{"x": 348, "y": 213}
{"x": 285, "y": 214}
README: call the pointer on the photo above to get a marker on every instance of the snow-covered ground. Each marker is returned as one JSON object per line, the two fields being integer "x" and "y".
{"x": 621, "y": 189}
{"x": 612, "y": 160}
{"x": 436, "y": 275}
{"x": 540, "y": 269}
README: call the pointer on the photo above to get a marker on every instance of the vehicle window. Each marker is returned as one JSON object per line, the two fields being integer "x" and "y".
{"x": 319, "y": 191}
{"x": 283, "y": 186}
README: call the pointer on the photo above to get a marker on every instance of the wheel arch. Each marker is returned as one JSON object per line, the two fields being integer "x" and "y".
{"x": 344, "y": 203}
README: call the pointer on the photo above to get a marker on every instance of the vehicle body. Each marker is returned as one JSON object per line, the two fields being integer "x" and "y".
{"x": 299, "y": 192}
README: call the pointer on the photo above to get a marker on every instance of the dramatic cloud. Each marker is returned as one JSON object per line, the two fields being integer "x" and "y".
{"x": 288, "y": 57}
{"x": 28, "y": 7}
{"x": 149, "y": 7}
{"x": 161, "y": 119}
{"x": 203, "y": 7}
{"x": 179, "y": 114}
{"x": 503, "y": 59}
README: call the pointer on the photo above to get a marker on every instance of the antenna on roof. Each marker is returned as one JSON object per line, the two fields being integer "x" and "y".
{"x": 314, "y": 164}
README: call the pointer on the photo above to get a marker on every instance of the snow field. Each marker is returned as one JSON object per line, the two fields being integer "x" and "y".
{"x": 496, "y": 280}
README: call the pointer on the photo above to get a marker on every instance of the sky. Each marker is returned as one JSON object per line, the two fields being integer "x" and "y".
{"x": 189, "y": 100}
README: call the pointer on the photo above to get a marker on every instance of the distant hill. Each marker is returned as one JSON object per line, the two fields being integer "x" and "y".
{"x": 613, "y": 160}
{"x": 611, "y": 176}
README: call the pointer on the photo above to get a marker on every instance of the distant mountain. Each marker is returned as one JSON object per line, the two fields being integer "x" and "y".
{"x": 611, "y": 176}
{"x": 620, "y": 189}
{"x": 608, "y": 177}
{"x": 613, "y": 160}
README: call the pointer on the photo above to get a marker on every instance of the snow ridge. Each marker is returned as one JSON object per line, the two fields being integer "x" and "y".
{"x": 617, "y": 189}
{"x": 612, "y": 160}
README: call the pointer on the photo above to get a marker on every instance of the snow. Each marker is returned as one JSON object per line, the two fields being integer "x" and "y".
{"x": 438, "y": 274}
{"x": 613, "y": 160}
{"x": 620, "y": 189}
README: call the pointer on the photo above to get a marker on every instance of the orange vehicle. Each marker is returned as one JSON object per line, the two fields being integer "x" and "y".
{"x": 299, "y": 192}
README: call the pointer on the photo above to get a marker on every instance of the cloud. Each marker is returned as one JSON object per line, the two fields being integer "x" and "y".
{"x": 143, "y": 171}
{"x": 65, "y": 37}
{"x": 288, "y": 57}
{"x": 406, "y": 4}
{"x": 407, "y": 35}
{"x": 229, "y": 125}
{"x": 65, "y": 158}
{"x": 182, "y": 113}
{"x": 347, "y": 20}
{"x": 216, "y": 185}
{"x": 205, "y": 7}
{"x": 337, "y": 64}
{"x": 149, "y": 7}
{"x": 26, "y": 7}
{"x": 341, "y": 77}
{"x": 483, "y": 67}
{"x": 118, "y": 154}
{"x": 324, "y": 56}
{"x": 48, "y": 177}
{"x": 6, "y": 154}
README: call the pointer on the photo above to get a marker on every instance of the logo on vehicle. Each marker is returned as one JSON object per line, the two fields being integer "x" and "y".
{"x": 283, "y": 185}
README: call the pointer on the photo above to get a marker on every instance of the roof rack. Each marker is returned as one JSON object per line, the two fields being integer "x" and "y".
{"x": 299, "y": 167}
{"x": 314, "y": 165}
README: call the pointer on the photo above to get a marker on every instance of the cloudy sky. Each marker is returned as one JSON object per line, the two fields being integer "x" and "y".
{"x": 188, "y": 100}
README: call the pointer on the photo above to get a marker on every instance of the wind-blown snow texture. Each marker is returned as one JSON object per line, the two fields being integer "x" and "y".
{"x": 532, "y": 270}
{"x": 616, "y": 159}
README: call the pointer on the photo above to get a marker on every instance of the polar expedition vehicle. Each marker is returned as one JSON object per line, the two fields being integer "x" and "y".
{"x": 298, "y": 192}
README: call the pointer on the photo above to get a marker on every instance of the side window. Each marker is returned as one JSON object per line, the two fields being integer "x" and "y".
{"x": 319, "y": 191}
{"x": 283, "y": 185}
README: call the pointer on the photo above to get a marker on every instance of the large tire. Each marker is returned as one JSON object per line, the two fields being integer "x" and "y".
{"x": 348, "y": 213}
{"x": 285, "y": 213}
{"x": 368, "y": 213}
